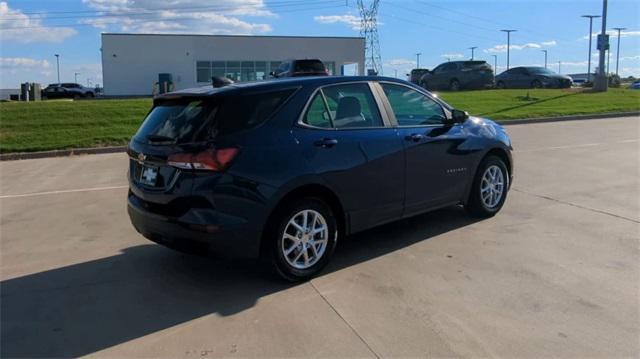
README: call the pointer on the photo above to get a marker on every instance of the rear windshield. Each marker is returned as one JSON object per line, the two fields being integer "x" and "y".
{"x": 309, "y": 66}
{"x": 194, "y": 120}
{"x": 476, "y": 64}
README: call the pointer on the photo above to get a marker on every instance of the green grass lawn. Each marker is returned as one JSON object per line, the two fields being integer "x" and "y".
{"x": 516, "y": 104}
{"x": 48, "y": 125}
{"x": 38, "y": 126}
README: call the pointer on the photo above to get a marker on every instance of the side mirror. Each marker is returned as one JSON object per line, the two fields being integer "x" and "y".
{"x": 459, "y": 116}
{"x": 272, "y": 74}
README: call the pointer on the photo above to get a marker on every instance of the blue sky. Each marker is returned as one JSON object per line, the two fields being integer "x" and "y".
{"x": 32, "y": 31}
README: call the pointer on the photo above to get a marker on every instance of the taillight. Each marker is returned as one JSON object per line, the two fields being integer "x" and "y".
{"x": 216, "y": 160}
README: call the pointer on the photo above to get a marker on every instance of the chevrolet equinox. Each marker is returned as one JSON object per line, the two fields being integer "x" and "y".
{"x": 283, "y": 169}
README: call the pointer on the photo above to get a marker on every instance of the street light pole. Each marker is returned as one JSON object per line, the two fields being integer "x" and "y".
{"x": 495, "y": 65}
{"x": 560, "y": 67}
{"x": 590, "y": 17}
{"x": 602, "y": 81}
{"x": 508, "y": 43}
{"x": 545, "y": 58}
{"x": 75, "y": 76}
{"x": 58, "y": 67}
{"x": 418, "y": 60}
{"x": 472, "y": 48}
{"x": 618, "y": 50}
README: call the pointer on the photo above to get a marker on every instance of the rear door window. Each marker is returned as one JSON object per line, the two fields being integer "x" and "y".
{"x": 347, "y": 106}
{"x": 200, "y": 119}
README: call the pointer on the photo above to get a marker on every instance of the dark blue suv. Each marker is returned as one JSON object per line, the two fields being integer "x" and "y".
{"x": 281, "y": 169}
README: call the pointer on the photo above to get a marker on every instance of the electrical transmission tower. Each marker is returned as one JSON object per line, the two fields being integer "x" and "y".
{"x": 369, "y": 30}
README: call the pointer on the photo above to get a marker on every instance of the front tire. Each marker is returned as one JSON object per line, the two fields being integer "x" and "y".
{"x": 500, "y": 85}
{"x": 489, "y": 188}
{"x": 305, "y": 237}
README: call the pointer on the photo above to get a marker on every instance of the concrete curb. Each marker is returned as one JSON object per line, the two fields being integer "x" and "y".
{"x": 60, "y": 153}
{"x": 116, "y": 149}
{"x": 568, "y": 118}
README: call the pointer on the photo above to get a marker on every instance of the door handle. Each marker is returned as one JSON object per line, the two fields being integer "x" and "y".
{"x": 326, "y": 142}
{"x": 415, "y": 137}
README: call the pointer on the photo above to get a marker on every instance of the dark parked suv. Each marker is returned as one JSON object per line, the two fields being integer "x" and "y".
{"x": 284, "y": 168}
{"x": 458, "y": 75}
{"x": 532, "y": 77}
{"x": 295, "y": 68}
{"x": 67, "y": 90}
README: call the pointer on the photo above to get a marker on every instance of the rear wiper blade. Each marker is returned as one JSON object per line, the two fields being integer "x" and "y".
{"x": 160, "y": 139}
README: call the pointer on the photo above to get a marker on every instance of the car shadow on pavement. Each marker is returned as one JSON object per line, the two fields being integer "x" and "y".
{"x": 86, "y": 307}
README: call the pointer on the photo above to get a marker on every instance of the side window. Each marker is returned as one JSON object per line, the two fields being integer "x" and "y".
{"x": 413, "y": 108}
{"x": 352, "y": 106}
{"x": 317, "y": 114}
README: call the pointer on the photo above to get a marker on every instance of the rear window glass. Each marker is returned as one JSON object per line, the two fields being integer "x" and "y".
{"x": 194, "y": 120}
{"x": 475, "y": 64}
{"x": 309, "y": 66}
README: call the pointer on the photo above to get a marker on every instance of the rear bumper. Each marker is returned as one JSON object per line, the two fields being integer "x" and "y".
{"x": 197, "y": 230}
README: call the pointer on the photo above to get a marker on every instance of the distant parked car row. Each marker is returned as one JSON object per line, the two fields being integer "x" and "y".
{"x": 67, "y": 90}
{"x": 459, "y": 75}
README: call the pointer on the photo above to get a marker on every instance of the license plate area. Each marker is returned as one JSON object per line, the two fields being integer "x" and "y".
{"x": 148, "y": 175}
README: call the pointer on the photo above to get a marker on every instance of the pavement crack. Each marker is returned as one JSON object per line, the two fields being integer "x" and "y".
{"x": 576, "y": 205}
{"x": 345, "y": 321}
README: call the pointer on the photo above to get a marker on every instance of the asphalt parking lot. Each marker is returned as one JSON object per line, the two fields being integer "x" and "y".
{"x": 556, "y": 273}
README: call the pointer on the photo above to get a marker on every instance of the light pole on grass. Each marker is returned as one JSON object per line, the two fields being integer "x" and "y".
{"x": 58, "y": 67}
{"x": 495, "y": 65}
{"x": 590, "y": 17}
{"x": 473, "y": 48}
{"x": 545, "y": 58}
{"x": 508, "y": 43}
{"x": 618, "y": 49}
{"x": 418, "y": 60}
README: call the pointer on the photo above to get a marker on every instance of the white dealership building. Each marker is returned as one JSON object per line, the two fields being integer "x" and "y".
{"x": 138, "y": 64}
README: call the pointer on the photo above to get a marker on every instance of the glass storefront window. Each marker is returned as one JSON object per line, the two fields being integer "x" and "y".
{"x": 242, "y": 70}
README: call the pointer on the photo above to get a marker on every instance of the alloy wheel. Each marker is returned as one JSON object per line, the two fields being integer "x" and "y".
{"x": 305, "y": 239}
{"x": 492, "y": 186}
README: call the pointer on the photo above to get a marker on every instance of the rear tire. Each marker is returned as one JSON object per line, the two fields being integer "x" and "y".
{"x": 454, "y": 85}
{"x": 302, "y": 239}
{"x": 489, "y": 188}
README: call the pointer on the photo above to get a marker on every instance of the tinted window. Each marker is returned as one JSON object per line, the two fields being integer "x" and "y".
{"x": 317, "y": 114}
{"x": 309, "y": 66}
{"x": 352, "y": 106}
{"x": 411, "y": 107}
{"x": 192, "y": 120}
{"x": 540, "y": 71}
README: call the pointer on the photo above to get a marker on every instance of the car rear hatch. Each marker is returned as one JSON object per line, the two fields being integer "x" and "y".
{"x": 189, "y": 138}
{"x": 309, "y": 68}
{"x": 480, "y": 67}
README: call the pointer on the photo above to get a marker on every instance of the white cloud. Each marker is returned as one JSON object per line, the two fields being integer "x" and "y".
{"x": 613, "y": 33}
{"x": 180, "y": 16}
{"x": 19, "y": 27}
{"x": 549, "y": 43}
{"x": 16, "y": 70}
{"x": 630, "y": 58}
{"x": 503, "y": 47}
{"x": 22, "y": 62}
{"x": 352, "y": 21}
{"x": 575, "y": 63}
{"x": 400, "y": 63}
{"x": 452, "y": 56}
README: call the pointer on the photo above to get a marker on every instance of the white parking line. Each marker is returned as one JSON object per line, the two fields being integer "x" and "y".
{"x": 576, "y": 146}
{"x": 62, "y": 191}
